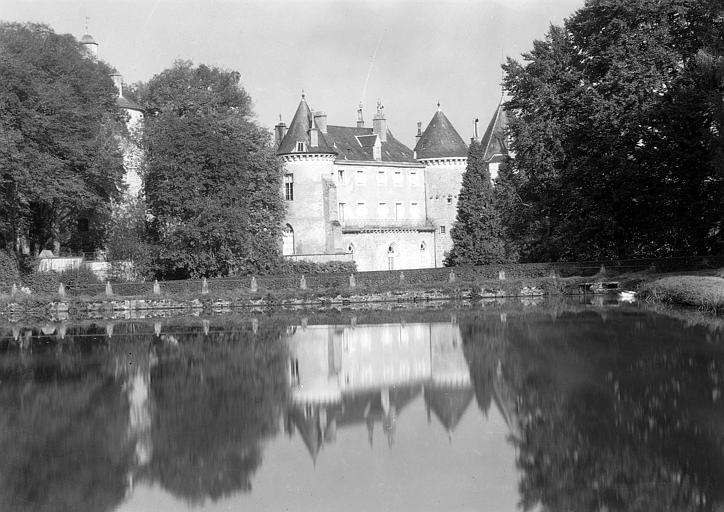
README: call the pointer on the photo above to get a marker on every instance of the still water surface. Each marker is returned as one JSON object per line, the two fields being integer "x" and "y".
{"x": 549, "y": 407}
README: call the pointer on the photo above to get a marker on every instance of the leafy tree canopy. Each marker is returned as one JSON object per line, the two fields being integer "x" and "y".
{"x": 212, "y": 179}
{"x": 617, "y": 132}
{"x": 59, "y": 153}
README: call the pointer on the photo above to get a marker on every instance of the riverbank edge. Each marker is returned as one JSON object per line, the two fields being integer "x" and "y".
{"x": 114, "y": 307}
{"x": 49, "y": 307}
{"x": 702, "y": 292}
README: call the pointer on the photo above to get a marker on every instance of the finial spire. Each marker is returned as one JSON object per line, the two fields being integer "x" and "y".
{"x": 438, "y": 106}
{"x": 87, "y": 19}
{"x": 303, "y": 95}
{"x": 360, "y": 119}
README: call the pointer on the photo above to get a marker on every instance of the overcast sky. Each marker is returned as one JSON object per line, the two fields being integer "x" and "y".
{"x": 410, "y": 54}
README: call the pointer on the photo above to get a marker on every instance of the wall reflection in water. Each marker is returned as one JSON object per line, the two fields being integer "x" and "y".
{"x": 367, "y": 374}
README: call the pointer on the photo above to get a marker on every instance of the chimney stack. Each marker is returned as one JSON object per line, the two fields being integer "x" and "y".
{"x": 379, "y": 123}
{"x": 320, "y": 118}
{"x": 360, "y": 119}
{"x": 280, "y": 130}
{"x": 475, "y": 136}
{"x": 419, "y": 132}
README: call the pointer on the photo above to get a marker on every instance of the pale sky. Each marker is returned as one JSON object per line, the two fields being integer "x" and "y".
{"x": 424, "y": 51}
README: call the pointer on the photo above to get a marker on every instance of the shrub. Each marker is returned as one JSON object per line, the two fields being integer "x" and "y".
{"x": 310, "y": 267}
{"x": 42, "y": 282}
{"x": 9, "y": 273}
{"x": 78, "y": 277}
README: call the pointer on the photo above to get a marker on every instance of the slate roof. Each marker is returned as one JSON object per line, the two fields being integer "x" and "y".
{"x": 352, "y": 143}
{"x": 87, "y": 39}
{"x": 449, "y": 404}
{"x": 494, "y": 141}
{"x": 129, "y": 104}
{"x": 440, "y": 140}
{"x": 299, "y": 130}
{"x": 347, "y": 142}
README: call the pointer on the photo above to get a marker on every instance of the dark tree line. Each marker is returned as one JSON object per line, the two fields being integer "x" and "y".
{"x": 616, "y": 123}
{"x": 59, "y": 156}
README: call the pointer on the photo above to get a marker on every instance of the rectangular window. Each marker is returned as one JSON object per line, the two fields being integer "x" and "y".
{"x": 381, "y": 178}
{"x": 361, "y": 178}
{"x": 361, "y": 212}
{"x": 382, "y": 211}
{"x": 340, "y": 176}
{"x": 414, "y": 210}
{"x": 289, "y": 187}
{"x": 340, "y": 213}
{"x": 413, "y": 178}
{"x": 397, "y": 179}
{"x": 442, "y": 229}
{"x": 300, "y": 146}
{"x": 399, "y": 211}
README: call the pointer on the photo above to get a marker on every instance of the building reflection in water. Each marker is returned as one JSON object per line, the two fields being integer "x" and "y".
{"x": 349, "y": 375}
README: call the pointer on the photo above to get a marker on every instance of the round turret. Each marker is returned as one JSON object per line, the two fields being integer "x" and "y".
{"x": 90, "y": 45}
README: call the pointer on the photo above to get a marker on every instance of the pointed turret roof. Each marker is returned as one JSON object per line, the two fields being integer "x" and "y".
{"x": 299, "y": 131}
{"x": 448, "y": 403}
{"x": 440, "y": 139}
{"x": 494, "y": 141}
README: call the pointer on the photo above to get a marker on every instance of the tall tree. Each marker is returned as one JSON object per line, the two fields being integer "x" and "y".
{"x": 212, "y": 180}
{"x": 615, "y": 136}
{"x": 59, "y": 156}
{"x": 476, "y": 232}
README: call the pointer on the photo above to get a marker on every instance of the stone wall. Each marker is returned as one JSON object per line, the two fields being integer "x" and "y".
{"x": 443, "y": 180}
{"x": 399, "y": 186}
{"x": 372, "y": 249}
{"x": 306, "y": 212}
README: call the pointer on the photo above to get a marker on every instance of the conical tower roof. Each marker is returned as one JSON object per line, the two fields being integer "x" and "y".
{"x": 448, "y": 403}
{"x": 298, "y": 131}
{"x": 440, "y": 140}
{"x": 494, "y": 141}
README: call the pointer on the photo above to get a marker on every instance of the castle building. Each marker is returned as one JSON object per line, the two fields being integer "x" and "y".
{"x": 356, "y": 193}
{"x": 130, "y": 149}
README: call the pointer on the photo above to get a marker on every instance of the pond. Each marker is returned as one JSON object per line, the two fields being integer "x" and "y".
{"x": 506, "y": 406}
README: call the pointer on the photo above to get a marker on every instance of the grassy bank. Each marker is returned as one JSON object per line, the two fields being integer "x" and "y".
{"x": 704, "y": 292}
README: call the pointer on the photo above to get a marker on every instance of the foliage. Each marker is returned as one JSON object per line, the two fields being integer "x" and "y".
{"x": 59, "y": 155}
{"x": 309, "y": 267}
{"x": 212, "y": 180}
{"x": 476, "y": 232}
{"x": 616, "y": 124}
{"x": 42, "y": 282}
{"x": 9, "y": 273}
{"x": 78, "y": 277}
{"x": 128, "y": 240}
{"x": 705, "y": 292}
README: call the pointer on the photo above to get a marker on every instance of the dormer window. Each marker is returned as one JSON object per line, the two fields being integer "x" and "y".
{"x": 300, "y": 146}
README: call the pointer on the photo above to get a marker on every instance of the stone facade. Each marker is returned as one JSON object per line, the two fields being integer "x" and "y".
{"x": 443, "y": 179}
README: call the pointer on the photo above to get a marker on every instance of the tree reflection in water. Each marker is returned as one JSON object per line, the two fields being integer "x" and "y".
{"x": 62, "y": 427}
{"x": 67, "y": 433}
{"x": 611, "y": 412}
{"x": 216, "y": 399}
